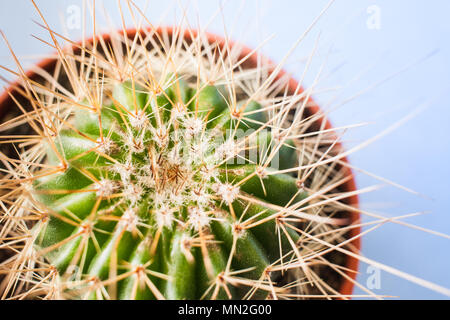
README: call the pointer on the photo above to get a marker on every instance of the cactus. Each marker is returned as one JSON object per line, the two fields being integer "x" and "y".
{"x": 154, "y": 189}
{"x": 164, "y": 184}
{"x": 171, "y": 164}
{"x": 159, "y": 167}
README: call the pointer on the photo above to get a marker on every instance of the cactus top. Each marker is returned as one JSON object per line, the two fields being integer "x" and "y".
{"x": 168, "y": 194}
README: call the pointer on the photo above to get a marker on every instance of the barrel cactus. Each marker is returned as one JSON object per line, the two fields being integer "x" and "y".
{"x": 161, "y": 166}
{"x": 157, "y": 187}
{"x": 169, "y": 163}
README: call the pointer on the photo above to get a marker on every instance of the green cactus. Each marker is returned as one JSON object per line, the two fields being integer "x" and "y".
{"x": 170, "y": 163}
{"x": 152, "y": 204}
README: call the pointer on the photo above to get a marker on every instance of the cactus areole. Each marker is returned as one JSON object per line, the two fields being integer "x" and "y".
{"x": 176, "y": 191}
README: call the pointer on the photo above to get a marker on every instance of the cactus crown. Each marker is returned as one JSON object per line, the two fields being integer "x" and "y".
{"x": 167, "y": 170}
{"x": 160, "y": 185}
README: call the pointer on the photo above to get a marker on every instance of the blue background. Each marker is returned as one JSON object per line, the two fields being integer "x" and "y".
{"x": 412, "y": 42}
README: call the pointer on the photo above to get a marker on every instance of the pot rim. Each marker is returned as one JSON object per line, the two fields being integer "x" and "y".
{"x": 348, "y": 282}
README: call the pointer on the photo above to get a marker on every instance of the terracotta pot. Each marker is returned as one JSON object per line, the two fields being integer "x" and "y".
{"x": 346, "y": 288}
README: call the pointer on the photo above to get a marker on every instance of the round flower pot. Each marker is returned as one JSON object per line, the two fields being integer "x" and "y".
{"x": 9, "y": 110}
